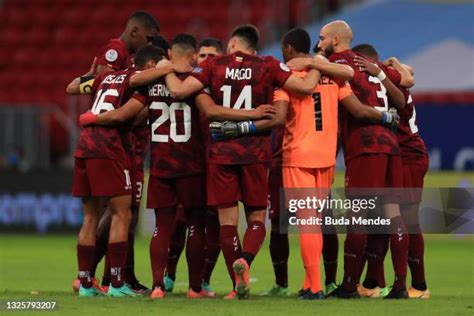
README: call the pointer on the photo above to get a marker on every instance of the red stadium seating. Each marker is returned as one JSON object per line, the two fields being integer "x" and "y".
{"x": 45, "y": 43}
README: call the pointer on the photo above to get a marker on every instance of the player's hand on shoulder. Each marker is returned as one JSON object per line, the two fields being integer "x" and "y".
{"x": 163, "y": 63}
{"x": 264, "y": 111}
{"x": 367, "y": 66}
{"x": 299, "y": 63}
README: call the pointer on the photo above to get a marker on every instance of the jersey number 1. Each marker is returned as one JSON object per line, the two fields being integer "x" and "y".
{"x": 318, "y": 111}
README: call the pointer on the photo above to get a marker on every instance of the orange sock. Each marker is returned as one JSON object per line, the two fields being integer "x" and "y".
{"x": 311, "y": 250}
{"x": 306, "y": 283}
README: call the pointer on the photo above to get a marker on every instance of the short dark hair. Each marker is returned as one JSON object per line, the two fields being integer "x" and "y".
{"x": 185, "y": 41}
{"x": 249, "y": 33}
{"x": 366, "y": 50}
{"x": 299, "y": 39}
{"x": 147, "y": 53}
{"x": 161, "y": 42}
{"x": 146, "y": 19}
{"x": 212, "y": 42}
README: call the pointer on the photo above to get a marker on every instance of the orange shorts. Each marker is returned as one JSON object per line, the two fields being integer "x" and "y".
{"x": 294, "y": 177}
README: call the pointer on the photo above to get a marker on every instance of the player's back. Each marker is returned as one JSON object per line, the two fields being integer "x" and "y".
{"x": 242, "y": 81}
{"x": 311, "y": 125}
{"x": 177, "y": 140}
{"x": 412, "y": 146}
{"x": 360, "y": 137}
{"x": 110, "y": 91}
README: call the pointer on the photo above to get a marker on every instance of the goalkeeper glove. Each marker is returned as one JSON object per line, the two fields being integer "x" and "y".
{"x": 228, "y": 129}
{"x": 391, "y": 119}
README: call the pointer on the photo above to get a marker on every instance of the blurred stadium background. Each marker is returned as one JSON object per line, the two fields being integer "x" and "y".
{"x": 45, "y": 43}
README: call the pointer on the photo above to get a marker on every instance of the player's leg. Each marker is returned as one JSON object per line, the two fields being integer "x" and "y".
{"x": 330, "y": 253}
{"x": 192, "y": 193}
{"x": 360, "y": 173}
{"x": 86, "y": 242}
{"x": 279, "y": 245}
{"x": 410, "y": 210}
{"x": 102, "y": 237}
{"x": 178, "y": 240}
{"x": 225, "y": 200}
{"x": 86, "y": 245}
{"x": 163, "y": 199}
{"x": 213, "y": 249}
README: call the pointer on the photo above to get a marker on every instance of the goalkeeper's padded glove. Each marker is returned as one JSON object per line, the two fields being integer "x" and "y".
{"x": 229, "y": 129}
{"x": 85, "y": 84}
{"x": 391, "y": 119}
{"x": 87, "y": 119}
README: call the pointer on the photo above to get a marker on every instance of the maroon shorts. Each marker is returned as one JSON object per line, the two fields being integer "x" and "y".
{"x": 180, "y": 216}
{"x": 413, "y": 178}
{"x": 275, "y": 182}
{"x": 379, "y": 171}
{"x": 228, "y": 184}
{"x": 100, "y": 177}
{"x": 190, "y": 192}
{"x": 136, "y": 177}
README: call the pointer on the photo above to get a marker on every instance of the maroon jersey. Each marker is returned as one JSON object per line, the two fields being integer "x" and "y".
{"x": 177, "y": 145}
{"x": 241, "y": 81}
{"x": 111, "y": 91}
{"x": 412, "y": 147}
{"x": 277, "y": 142}
{"x": 360, "y": 137}
{"x": 138, "y": 139}
{"x": 114, "y": 55}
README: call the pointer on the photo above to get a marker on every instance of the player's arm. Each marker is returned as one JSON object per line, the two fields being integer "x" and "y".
{"x": 368, "y": 114}
{"x": 114, "y": 117}
{"x": 396, "y": 96}
{"x": 216, "y": 112}
{"x": 405, "y": 71}
{"x": 82, "y": 84}
{"x": 321, "y": 63}
{"x": 163, "y": 68}
{"x": 304, "y": 85}
{"x": 181, "y": 89}
{"x": 281, "y": 107}
{"x": 141, "y": 117}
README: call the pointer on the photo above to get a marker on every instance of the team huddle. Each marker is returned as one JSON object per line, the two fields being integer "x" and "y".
{"x": 227, "y": 128}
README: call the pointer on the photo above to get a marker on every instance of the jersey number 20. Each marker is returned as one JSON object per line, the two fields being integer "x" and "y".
{"x": 169, "y": 113}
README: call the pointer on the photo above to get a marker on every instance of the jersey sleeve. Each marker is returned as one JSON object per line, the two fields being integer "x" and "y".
{"x": 280, "y": 95}
{"x": 97, "y": 81}
{"x": 280, "y": 72}
{"x": 392, "y": 74}
{"x": 203, "y": 72}
{"x": 344, "y": 90}
{"x": 112, "y": 55}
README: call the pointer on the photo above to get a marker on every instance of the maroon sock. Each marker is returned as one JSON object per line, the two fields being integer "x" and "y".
{"x": 415, "y": 259}
{"x": 354, "y": 247}
{"x": 231, "y": 248}
{"x": 195, "y": 244}
{"x": 178, "y": 240}
{"x": 399, "y": 250}
{"x": 117, "y": 253}
{"x": 164, "y": 219}
{"x": 213, "y": 247}
{"x": 279, "y": 252}
{"x": 330, "y": 252}
{"x": 375, "y": 258}
{"x": 129, "y": 275}
{"x": 253, "y": 240}
{"x": 102, "y": 239}
{"x": 85, "y": 257}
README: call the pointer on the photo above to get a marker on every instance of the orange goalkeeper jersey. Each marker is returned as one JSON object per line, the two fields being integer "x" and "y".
{"x": 310, "y": 138}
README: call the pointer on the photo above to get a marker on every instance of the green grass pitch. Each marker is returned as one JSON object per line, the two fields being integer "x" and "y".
{"x": 46, "y": 266}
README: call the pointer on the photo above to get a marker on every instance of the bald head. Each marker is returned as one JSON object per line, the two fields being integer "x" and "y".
{"x": 334, "y": 37}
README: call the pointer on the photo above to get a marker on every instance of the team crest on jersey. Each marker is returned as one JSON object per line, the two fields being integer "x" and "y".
{"x": 284, "y": 67}
{"x": 197, "y": 70}
{"x": 111, "y": 55}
